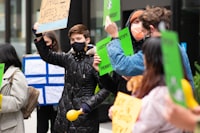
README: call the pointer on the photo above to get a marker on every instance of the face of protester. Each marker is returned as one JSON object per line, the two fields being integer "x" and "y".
{"x": 47, "y": 40}
{"x": 79, "y": 42}
{"x": 137, "y": 30}
{"x": 152, "y": 32}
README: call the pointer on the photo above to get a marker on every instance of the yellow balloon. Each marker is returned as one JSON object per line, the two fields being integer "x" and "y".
{"x": 72, "y": 114}
{"x": 188, "y": 93}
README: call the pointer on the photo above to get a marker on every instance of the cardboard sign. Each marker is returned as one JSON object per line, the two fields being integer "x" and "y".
{"x": 47, "y": 78}
{"x": 53, "y": 15}
{"x": 125, "y": 112}
{"x": 173, "y": 66}
{"x": 126, "y": 44}
{"x": 2, "y": 65}
{"x": 112, "y": 9}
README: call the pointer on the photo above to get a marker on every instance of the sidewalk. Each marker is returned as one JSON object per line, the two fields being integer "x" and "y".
{"x": 30, "y": 125}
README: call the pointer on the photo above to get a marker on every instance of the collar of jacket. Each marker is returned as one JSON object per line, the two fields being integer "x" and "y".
{"x": 91, "y": 50}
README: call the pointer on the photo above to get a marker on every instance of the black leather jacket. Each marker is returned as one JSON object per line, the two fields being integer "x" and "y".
{"x": 80, "y": 82}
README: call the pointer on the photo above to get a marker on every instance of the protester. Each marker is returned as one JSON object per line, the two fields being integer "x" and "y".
{"x": 115, "y": 82}
{"x": 131, "y": 65}
{"x": 48, "y": 113}
{"x": 80, "y": 82}
{"x": 152, "y": 91}
{"x": 13, "y": 92}
{"x": 151, "y": 19}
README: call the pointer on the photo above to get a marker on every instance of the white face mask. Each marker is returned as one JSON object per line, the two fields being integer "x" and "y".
{"x": 136, "y": 30}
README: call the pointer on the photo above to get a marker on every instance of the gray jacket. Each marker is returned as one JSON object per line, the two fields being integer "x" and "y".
{"x": 11, "y": 118}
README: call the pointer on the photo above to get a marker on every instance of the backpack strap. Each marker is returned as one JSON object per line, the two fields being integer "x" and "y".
{"x": 12, "y": 77}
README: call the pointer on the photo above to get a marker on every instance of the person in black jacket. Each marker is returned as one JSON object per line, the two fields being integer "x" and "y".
{"x": 81, "y": 80}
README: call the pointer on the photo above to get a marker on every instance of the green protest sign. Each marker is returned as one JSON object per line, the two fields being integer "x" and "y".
{"x": 173, "y": 66}
{"x": 105, "y": 65}
{"x": 2, "y": 65}
{"x": 126, "y": 44}
{"x": 112, "y": 9}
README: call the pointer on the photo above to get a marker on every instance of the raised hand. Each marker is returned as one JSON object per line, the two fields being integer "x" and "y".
{"x": 96, "y": 62}
{"x": 111, "y": 28}
{"x": 34, "y": 30}
{"x": 134, "y": 83}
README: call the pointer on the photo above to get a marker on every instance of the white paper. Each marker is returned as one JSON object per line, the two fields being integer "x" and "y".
{"x": 35, "y": 67}
{"x": 53, "y": 94}
{"x": 41, "y": 98}
{"x": 36, "y": 80}
{"x": 53, "y": 69}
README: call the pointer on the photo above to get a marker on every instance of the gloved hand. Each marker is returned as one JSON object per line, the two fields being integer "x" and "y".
{"x": 85, "y": 108}
{"x": 34, "y": 30}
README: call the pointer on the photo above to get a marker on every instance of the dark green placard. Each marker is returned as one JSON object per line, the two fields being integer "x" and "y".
{"x": 2, "y": 65}
{"x": 126, "y": 44}
{"x": 173, "y": 66}
{"x": 112, "y": 9}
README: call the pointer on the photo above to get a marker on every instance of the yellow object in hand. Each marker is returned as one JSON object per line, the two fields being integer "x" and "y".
{"x": 187, "y": 90}
{"x": 73, "y": 114}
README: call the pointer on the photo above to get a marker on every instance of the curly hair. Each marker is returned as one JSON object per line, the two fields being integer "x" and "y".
{"x": 155, "y": 15}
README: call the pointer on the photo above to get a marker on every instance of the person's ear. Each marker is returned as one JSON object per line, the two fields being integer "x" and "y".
{"x": 152, "y": 28}
{"x": 88, "y": 40}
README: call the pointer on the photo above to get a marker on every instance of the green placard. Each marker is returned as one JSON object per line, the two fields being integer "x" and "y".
{"x": 2, "y": 65}
{"x": 126, "y": 43}
{"x": 173, "y": 66}
{"x": 112, "y": 9}
{"x": 105, "y": 65}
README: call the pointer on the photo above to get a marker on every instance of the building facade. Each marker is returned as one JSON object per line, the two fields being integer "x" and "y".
{"x": 18, "y": 16}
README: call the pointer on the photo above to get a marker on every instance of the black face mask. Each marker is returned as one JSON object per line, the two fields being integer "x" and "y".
{"x": 78, "y": 46}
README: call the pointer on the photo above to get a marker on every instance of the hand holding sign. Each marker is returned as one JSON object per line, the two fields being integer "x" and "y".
{"x": 34, "y": 30}
{"x": 96, "y": 62}
{"x": 111, "y": 27}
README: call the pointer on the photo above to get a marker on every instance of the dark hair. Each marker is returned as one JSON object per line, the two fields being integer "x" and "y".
{"x": 154, "y": 73}
{"x": 79, "y": 29}
{"x": 155, "y": 15}
{"x": 55, "y": 45}
{"x": 8, "y": 55}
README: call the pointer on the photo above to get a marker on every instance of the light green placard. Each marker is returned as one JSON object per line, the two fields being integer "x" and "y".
{"x": 2, "y": 65}
{"x": 173, "y": 66}
{"x": 112, "y": 9}
{"x": 105, "y": 65}
{"x": 126, "y": 43}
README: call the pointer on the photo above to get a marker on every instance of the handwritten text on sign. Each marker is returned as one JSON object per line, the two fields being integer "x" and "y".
{"x": 53, "y": 10}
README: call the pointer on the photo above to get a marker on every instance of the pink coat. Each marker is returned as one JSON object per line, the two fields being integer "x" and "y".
{"x": 151, "y": 119}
